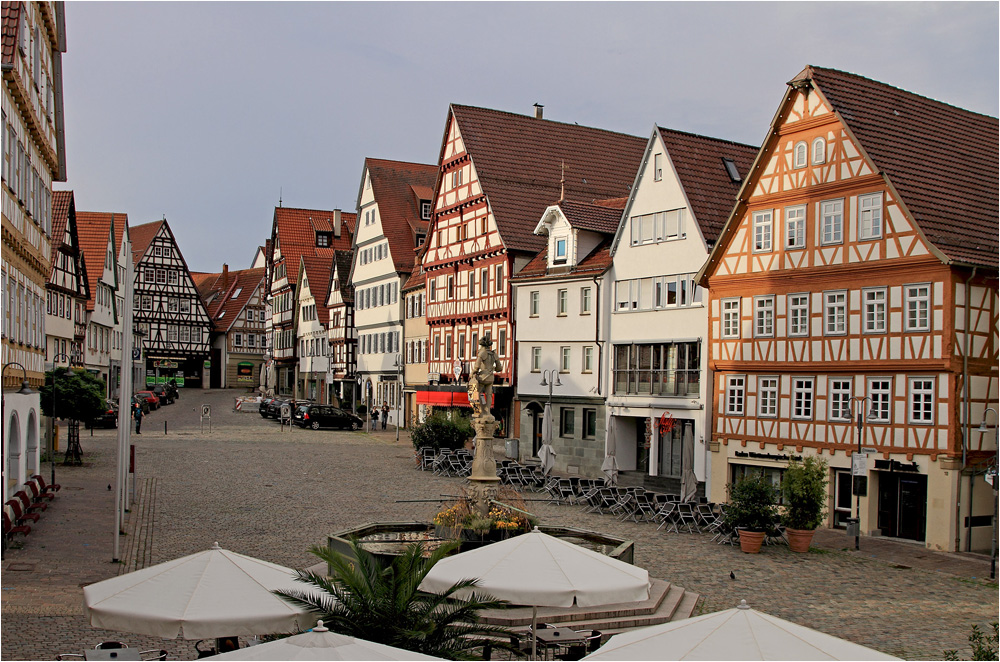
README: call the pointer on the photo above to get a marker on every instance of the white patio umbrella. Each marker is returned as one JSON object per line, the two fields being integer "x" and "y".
{"x": 689, "y": 482}
{"x": 542, "y": 571}
{"x": 545, "y": 453}
{"x": 610, "y": 466}
{"x": 321, "y": 644}
{"x": 734, "y": 634}
{"x": 211, "y": 594}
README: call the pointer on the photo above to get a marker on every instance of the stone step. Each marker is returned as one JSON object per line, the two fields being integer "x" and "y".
{"x": 666, "y": 612}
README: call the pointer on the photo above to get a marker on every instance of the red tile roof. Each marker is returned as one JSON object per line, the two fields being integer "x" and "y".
{"x": 93, "y": 229}
{"x": 11, "y": 22}
{"x": 242, "y": 281}
{"x": 698, "y": 161}
{"x": 142, "y": 236}
{"x": 343, "y": 261}
{"x": 594, "y": 264}
{"x": 398, "y": 188}
{"x": 295, "y": 232}
{"x": 595, "y": 218}
{"x": 62, "y": 203}
{"x": 942, "y": 160}
{"x": 416, "y": 280}
{"x": 520, "y": 163}
{"x": 318, "y": 269}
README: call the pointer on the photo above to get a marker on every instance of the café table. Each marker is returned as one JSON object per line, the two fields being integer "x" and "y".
{"x": 554, "y": 638}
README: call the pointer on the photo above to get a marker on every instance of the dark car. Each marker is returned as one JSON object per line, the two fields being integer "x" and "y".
{"x": 172, "y": 389}
{"x": 271, "y": 407}
{"x": 151, "y": 398}
{"x": 163, "y": 393}
{"x": 107, "y": 418}
{"x": 143, "y": 403}
{"x": 325, "y": 416}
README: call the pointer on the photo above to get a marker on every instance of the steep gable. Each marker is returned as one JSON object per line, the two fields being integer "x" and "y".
{"x": 399, "y": 187}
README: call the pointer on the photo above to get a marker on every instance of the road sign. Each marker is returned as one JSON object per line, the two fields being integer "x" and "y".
{"x": 206, "y": 411}
{"x": 456, "y": 367}
{"x": 869, "y": 450}
{"x": 859, "y": 464}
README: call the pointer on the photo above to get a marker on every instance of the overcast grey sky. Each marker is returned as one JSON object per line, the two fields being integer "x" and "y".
{"x": 203, "y": 112}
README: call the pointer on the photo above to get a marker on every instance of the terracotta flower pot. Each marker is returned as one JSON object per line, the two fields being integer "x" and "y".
{"x": 799, "y": 539}
{"x": 750, "y": 541}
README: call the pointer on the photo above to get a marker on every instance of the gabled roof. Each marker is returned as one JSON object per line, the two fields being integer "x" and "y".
{"x": 698, "y": 161}
{"x": 62, "y": 203}
{"x": 142, "y": 236}
{"x": 93, "y": 229}
{"x": 942, "y": 160}
{"x": 243, "y": 281}
{"x": 594, "y": 264}
{"x": 525, "y": 164}
{"x": 398, "y": 188}
{"x": 343, "y": 261}
{"x": 295, "y": 232}
{"x": 318, "y": 269}
{"x": 595, "y": 218}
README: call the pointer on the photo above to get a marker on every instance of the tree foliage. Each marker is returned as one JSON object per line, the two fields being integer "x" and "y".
{"x": 376, "y": 599}
{"x": 752, "y": 504}
{"x": 79, "y": 394}
{"x": 983, "y": 645}
{"x": 441, "y": 431}
{"x": 804, "y": 490}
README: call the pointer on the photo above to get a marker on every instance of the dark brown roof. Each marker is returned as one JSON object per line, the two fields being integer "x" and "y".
{"x": 942, "y": 160}
{"x": 398, "y": 188}
{"x": 519, "y": 161}
{"x": 62, "y": 203}
{"x": 710, "y": 190}
{"x": 595, "y": 263}
{"x": 343, "y": 261}
{"x": 595, "y": 218}
{"x": 11, "y": 25}
{"x": 318, "y": 269}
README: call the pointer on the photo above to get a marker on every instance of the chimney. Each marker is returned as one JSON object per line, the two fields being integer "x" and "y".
{"x": 336, "y": 223}
{"x": 225, "y": 276}
{"x": 538, "y": 111}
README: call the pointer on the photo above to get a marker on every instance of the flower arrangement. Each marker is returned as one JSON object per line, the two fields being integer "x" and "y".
{"x": 506, "y": 516}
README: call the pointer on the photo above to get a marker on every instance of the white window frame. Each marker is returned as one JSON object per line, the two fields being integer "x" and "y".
{"x": 835, "y": 312}
{"x": 763, "y": 316}
{"x": 880, "y": 392}
{"x": 800, "y": 155}
{"x": 736, "y": 395}
{"x": 536, "y": 359}
{"x": 798, "y": 327}
{"x": 839, "y": 396}
{"x": 730, "y": 317}
{"x": 561, "y": 250}
{"x": 588, "y": 360}
{"x": 767, "y": 396}
{"x": 562, "y": 302}
{"x": 763, "y": 228}
{"x": 803, "y": 398}
{"x": 874, "y": 301}
{"x": 870, "y": 216}
{"x": 831, "y": 222}
{"x": 565, "y": 358}
{"x": 818, "y": 149}
{"x": 795, "y": 227}
{"x": 657, "y": 167}
{"x": 920, "y": 400}
{"x": 585, "y": 301}
{"x": 917, "y": 305}
{"x": 533, "y": 298}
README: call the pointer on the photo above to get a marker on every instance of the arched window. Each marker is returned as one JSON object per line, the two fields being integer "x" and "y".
{"x": 801, "y": 155}
{"x": 819, "y": 151}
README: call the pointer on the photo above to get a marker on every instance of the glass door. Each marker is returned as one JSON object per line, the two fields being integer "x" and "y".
{"x": 843, "y": 506}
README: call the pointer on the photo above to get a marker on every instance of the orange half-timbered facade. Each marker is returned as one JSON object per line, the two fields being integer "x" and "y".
{"x": 861, "y": 248}
{"x": 488, "y": 198}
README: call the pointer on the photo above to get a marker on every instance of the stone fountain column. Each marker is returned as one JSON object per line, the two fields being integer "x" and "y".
{"x": 484, "y": 483}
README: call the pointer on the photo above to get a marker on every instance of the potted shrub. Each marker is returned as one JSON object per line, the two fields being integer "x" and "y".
{"x": 803, "y": 488}
{"x": 752, "y": 510}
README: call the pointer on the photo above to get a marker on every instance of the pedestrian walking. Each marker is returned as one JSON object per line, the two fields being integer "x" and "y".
{"x": 374, "y": 418}
{"x": 137, "y": 415}
{"x": 385, "y": 413}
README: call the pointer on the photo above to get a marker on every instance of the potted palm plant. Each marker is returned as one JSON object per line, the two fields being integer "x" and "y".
{"x": 803, "y": 489}
{"x": 752, "y": 510}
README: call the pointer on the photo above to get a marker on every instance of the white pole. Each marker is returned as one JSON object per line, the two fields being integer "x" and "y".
{"x": 124, "y": 399}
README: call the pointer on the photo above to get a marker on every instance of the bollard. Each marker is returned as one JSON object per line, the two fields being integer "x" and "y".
{"x": 164, "y": 427}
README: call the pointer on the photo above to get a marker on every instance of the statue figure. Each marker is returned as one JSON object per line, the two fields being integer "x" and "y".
{"x": 481, "y": 377}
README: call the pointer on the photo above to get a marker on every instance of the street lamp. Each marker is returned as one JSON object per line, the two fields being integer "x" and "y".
{"x": 399, "y": 391}
{"x": 25, "y": 386}
{"x": 996, "y": 486}
{"x": 856, "y": 464}
{"x": 52, "y": 427}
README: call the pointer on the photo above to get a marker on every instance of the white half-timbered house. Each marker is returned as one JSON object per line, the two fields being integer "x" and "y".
{"x": 312, "y": 293}
{"x": 497, "y": 173}
{"x": 857, "y": 275}
{"x": 658, "y": 392}
{"x": 394, "y": 207}
{"x": 341, "y": 334}
{"x": 96, "y": 232}
{"x": 65, "y": 313}
{"x": 168, "y": 310}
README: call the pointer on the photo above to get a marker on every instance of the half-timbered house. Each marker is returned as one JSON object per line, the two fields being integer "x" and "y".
{"x": 341, "y": 334}
{"x": 68, "y": 291}
{"x": 96, "y": 232}
{"x": 312, "y": 292}
{"x": 168, "y": 310}
{"x": 497, "y": 173}
{"x": 853, "y": 308}
{"x": 235, "y": 304}
{"x": 658, "y": 397}
{"x": 394, "y": 208}
{"x": 294, "y": 233}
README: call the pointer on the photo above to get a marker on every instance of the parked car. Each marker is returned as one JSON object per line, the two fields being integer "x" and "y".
{"x": 143, "y": 403}
{"x": 163, "y": 393}
{"x": 107, "y": 418}
{"x": 271, "y": 407}
{"x": 325, "y": 416}
{"x": 172, "y": 389}
{"x": 151, "y": 398}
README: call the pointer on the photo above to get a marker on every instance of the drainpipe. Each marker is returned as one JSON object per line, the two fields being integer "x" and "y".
{"x": 597, "y": 333}
{"x": 965, "y": 428}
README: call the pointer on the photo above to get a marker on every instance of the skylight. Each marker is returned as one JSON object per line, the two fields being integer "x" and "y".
{"x": 237, "y": 292}
{"x": 731, "y": 170}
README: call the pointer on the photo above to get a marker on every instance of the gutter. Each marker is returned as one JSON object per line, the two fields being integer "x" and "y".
{"x": 597, "y": 332}
{"x": 965, "y": 428}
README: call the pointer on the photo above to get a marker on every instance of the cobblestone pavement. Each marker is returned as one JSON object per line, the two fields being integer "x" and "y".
{"x": 269, "y": 492}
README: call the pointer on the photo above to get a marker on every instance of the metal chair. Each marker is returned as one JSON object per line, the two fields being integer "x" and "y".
{"x": 153, "y": 654}
{"x": 106, "y": 645}
{"x": 667, "y": 516}
{"x": 686, "y": 517}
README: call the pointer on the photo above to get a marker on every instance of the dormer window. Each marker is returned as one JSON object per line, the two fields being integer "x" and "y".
{"x": 322, "y": 239}
{"x": 560, "y": 256}
{"x": 657, "y": 167}
{"x": 425, "y": 210}
{"x": 421, "y": 238}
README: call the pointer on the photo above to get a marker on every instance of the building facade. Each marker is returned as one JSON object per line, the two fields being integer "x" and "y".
{"x": 312, "y": 292}
{"x": 66, "y": 305}
{"x": 168, "y": 311}
{"x": 853, "y": 308}
{"x": 235, "y": 304}
{"x": 97, "y": 232}
{"x": 34, "y": 39}
{"x": 414, "y": 345}
{"x": 341, "y": 334}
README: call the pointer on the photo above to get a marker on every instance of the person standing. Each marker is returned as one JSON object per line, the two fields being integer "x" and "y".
{"x": 385, "y": 413}
{"x": 374, "y": 418}
{"x": 137, "y": 415}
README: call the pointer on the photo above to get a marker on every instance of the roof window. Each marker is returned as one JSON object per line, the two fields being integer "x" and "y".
{"x": 731, "y": 170}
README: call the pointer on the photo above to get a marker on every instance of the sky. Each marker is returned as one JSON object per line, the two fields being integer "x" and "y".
{"x": 208, "y": 114}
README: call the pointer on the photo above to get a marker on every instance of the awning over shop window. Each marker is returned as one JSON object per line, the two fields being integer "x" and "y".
{"x": 456, "y": 398}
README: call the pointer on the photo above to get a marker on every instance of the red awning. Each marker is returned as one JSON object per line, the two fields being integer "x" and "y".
{"x": 445, "y": 398}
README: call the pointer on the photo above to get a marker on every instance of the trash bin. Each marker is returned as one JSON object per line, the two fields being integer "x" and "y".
{"x": 512, "y": 448}
{"x": 853, "y": 526}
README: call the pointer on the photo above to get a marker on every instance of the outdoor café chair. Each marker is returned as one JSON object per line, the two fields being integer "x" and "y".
{"x": 667, "y": 516}
{"x": 566, "y": 492}
{"x": 427, "y": 455}
{"x": 647, "y": 506}
{"x": 153, "y": 654}
{"x": 686, "y": 517}
{"x": 106, "y": 645}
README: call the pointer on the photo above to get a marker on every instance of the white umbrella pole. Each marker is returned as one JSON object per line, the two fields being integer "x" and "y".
{"x": 534, "y": 632}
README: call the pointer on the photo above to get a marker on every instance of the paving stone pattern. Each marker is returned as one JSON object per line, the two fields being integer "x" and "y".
{"x": 269, "y": 492}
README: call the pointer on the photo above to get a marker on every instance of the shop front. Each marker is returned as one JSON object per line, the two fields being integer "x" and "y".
{"x": 902, "y": 500}
{"x": 434, "y": 397}
{"x": 184, "y": 373}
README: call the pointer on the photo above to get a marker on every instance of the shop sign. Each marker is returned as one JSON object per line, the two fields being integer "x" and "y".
{"x": 767, "y": 456}
{"x": 207, "y": 364}
{"x": 896, "y": 465}
{"x": 244, "y": 372}
{"x": 164, "y": 363}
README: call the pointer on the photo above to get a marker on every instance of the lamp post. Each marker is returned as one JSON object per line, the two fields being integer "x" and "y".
{"x": 856, "y": 464}
{"x": 550, "y": 378}
{"x": 996, "y": 486}
{"x": 399, "y": 391}
{"x": 25, "y": 386}
{"x": 52, "y": 430}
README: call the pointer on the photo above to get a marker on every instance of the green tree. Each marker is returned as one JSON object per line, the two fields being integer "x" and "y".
{"x": 804, "y": 490}
{"x": 442, "y": 431}
{"x": 79, "y": 394}
{"x": 983, "y": 644}
{"x": 377, "y": 599}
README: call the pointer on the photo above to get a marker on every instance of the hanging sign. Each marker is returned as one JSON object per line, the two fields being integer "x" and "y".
{"x": 859, "y": 464}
